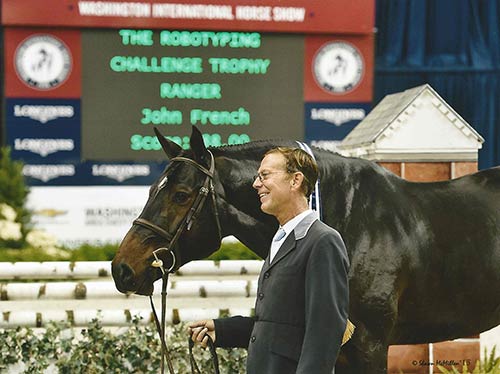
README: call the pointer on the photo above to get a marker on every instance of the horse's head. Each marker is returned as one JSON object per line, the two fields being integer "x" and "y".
{"x": 180, "y": 217}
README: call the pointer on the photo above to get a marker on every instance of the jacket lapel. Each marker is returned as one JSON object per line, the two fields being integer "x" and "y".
{"x": 289, "y": 245}
{"x": 266, "y": 262}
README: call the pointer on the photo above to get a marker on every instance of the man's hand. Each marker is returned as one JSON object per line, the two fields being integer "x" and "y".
{"x": 199, "y": 330}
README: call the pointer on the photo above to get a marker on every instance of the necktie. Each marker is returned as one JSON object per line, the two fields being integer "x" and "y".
{"x": 279, "y": 235}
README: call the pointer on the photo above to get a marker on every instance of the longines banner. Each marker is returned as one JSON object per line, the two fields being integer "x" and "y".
{"x": 41, "y": 130}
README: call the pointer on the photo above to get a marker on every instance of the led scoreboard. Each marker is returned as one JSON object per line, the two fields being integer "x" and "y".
{"x": 234, "y": 86}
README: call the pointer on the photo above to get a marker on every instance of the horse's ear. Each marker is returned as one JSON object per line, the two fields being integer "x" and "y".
{"x": 197, "y": 145}
{"x": 170, "y": 148}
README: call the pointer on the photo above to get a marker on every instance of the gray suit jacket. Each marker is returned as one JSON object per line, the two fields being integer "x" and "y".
{"x": 301, "y": 309}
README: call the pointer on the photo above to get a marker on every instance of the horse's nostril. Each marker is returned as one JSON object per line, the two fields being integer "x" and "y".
{"x": 123, "y": 275}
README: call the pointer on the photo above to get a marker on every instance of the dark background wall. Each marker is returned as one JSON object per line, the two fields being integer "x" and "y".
{"x": 454, "y": 45}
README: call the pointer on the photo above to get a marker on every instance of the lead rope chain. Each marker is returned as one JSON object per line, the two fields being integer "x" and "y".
{"x": 165, "y": 354}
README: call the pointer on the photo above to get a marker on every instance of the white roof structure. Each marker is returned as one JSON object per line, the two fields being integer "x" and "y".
{"x": 413, "y": 125}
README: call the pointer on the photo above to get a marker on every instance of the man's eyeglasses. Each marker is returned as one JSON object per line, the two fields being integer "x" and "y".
{"x": 265, "y": 174}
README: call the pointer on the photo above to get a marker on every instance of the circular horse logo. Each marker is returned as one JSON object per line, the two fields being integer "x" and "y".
{"x": 338, "y": 67}
{"x": 43, "y": 62}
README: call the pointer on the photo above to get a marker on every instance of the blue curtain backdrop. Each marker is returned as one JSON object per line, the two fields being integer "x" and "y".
{"x": 454, "y": 45}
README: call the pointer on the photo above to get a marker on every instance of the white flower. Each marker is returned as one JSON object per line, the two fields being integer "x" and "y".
{"x": 41, "y": 239}
{"x": 56, "y": 252}
{"x": 7, "y": 212}
{"x": 10, "y": 230}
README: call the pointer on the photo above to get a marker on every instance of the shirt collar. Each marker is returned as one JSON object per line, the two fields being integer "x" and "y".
{"x": 290, "y": 225}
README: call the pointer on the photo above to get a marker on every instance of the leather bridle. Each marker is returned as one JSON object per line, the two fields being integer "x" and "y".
{"x": 206, "y": 189}
{"x": 186, "y": 223}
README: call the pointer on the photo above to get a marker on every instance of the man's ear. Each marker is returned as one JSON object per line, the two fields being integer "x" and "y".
{"x": 297, "y": 179}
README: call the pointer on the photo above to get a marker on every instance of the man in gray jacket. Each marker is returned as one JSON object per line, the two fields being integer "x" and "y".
{"x": 302, "y": 299}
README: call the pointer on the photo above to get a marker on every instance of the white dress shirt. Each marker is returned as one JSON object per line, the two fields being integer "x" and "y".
{"x": 288, "y": 228}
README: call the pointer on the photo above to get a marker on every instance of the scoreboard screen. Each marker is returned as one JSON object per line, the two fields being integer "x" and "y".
{"x": 234, "y": 86}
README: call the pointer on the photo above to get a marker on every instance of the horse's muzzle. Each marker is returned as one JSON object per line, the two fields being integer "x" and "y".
{"x": 124, "y": 277}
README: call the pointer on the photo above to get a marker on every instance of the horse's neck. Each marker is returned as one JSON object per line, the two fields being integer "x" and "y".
{"x": 242, "y": 215}
{"x": 355, "y": 194}
{"x": 254, "y": 233}
{"x": 343, "y": 182}
{"x": 340, "y": 180}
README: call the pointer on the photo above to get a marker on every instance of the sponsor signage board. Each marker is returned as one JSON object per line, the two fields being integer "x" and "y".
{"x": 235, "y": 86}
{"x": 92, "y": 173}
{"x": 77, "y": 215}
{"x": 296, "y": 16}
{"x": 85, "y": 83}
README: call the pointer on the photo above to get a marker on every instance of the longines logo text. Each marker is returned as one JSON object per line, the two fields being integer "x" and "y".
{"x": 121, "y": 172}
{"x": 48, "y": 172}
{"x": 337, "y": 116}
{"x": 44, "y": 113}
{"x": 44, "y": 147}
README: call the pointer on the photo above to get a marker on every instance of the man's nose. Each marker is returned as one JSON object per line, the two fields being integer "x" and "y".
{"x": 256, "y": 183}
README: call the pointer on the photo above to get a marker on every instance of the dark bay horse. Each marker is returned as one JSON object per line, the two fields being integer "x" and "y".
{"x": 425, "y": 257}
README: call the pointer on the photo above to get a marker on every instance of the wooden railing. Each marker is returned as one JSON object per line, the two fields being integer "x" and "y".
{"x": 32, "y": 294}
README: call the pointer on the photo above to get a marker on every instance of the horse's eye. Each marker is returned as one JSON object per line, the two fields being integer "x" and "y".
{"x": 180, "y": 197}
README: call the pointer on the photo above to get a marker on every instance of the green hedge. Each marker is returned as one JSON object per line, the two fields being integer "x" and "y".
{"x": 58, "y": 349}
{"x": 83, "y": 253}
{"x": 228, "y": 251}
{"x": 234, "y": 251}
{"x": 96, "y": 350}
{"x": 14, "y": 192}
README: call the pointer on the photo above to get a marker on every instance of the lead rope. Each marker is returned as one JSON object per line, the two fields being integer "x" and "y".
{"x": 215, "y": 360}
{"x": 160, "y": 327}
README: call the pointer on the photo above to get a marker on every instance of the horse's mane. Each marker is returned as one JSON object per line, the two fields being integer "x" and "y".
{"x": 253, "y": 146}
{"x": 331, "y": 162}
{"x": 259, "y": 145}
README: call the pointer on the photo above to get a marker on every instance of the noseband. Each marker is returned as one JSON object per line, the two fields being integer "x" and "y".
{"x": 186, "y": 223}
